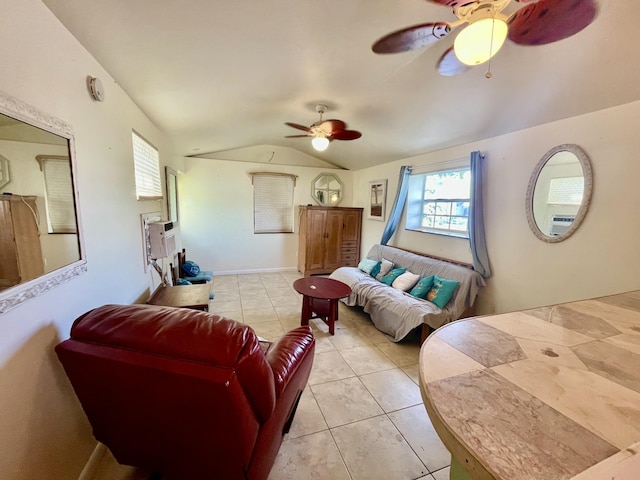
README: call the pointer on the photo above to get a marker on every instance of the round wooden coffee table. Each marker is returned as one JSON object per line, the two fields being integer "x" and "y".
{"x": 320, "y": 297}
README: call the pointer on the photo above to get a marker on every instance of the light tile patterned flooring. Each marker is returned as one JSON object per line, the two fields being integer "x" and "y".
{"x": 361, "y": 415}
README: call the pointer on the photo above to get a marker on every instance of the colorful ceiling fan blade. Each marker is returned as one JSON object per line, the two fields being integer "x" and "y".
{"x": 346, "y": 135}
{"x": 298, "y": 126}
{"x": 412, "y": 38}
{"x": 449, "y": 65}
{"x": 548, "y": 21}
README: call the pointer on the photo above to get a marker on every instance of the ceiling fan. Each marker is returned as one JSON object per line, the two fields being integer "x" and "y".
{"x": 325, "y": 131}
{"x": 537, "y": 23}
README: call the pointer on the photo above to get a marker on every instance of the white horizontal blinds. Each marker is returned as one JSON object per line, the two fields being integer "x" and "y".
{"x": 566, "y": 191}
{"x": 147, "y": 168}
{"x": 59, "y": 195}
{"x": 273, "y": 202}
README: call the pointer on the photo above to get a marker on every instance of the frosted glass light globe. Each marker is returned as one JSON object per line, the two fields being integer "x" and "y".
{"x": 320, "y": 143}
{"x": 480, "y": 41}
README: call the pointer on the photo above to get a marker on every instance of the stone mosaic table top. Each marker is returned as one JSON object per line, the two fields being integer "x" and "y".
{"x": 544, "y": 394}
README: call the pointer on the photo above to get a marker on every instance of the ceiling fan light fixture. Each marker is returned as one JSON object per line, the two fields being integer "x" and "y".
{"x": 320, "y": 142}
{"x": 480, "y": 41}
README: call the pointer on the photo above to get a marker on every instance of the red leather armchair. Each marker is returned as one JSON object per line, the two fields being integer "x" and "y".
{"x": 187, "y": 394}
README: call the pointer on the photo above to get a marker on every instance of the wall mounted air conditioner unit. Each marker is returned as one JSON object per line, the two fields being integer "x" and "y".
{"x": 162, "y": 239}
{"x": 560, "y": 224}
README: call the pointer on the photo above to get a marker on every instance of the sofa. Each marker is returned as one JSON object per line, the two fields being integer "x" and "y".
{"x": 186, "y": 394}
{"x": 395, "y": 311}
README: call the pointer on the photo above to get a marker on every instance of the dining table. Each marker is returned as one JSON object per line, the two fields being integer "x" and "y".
{"x": 549, "y": 393}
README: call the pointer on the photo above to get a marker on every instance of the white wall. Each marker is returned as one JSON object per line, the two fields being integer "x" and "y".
{"x": 600, "y": 258}
{"x": 216, "y": 215}
{"x": 43, "y": 432}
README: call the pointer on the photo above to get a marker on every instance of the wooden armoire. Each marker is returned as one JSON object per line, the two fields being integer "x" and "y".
{"x": 20, "y": 251}
{"x": 329, "y": 238}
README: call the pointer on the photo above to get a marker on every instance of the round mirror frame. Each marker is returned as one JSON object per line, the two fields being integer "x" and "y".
{"x": 314, "y": 190}
{"x": 586, "y": 196}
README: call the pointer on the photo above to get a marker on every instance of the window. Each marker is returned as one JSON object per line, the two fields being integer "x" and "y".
{"x": 58, "y": 193}
{"x": 147, "y": 167}
{"x": 438, "y": 201}
{"x": 273, "y": 202}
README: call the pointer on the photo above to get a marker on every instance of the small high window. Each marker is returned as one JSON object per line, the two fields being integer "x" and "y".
{"x": 147, "y": 168}
{"x": 438, "y": 201}
{"x": 273, "y": 202}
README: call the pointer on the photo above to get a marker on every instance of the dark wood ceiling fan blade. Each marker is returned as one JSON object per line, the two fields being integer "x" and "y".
{"x": 346, "y": 135}
{"x": 298, "y": 126}
{"x": 449, "y": 65}
{"x": 450, "y": 3}
{"x": 298, "y": 136}
{"x": 548, "y": 21}
{"x": 412, "y": 38}
{"x": 332, "y": 125}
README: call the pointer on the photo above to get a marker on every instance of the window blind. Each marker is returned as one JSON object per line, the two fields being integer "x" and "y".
{"x": 566, "y": 191}
{"x": 147, "y": 169}
{"x": 59, "y": 195}
{"x": 273, "y": 202}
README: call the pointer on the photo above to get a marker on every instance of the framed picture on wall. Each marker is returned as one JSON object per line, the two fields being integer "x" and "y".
{"x": 377, "y": 200}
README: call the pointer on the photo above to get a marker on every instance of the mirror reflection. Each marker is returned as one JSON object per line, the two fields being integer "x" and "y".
{"x": 559, "y": 193}
{"x": 172, "y": 193}
{"x": 326, "y": 189}
{"x": 38, "y": 222}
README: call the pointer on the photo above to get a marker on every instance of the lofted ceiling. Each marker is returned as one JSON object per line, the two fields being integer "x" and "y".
{"x": 219, "y": 76}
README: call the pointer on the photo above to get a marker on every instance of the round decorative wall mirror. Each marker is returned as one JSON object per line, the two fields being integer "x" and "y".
{"x": 326, "y": 189}
{"x": 559, "y": 193}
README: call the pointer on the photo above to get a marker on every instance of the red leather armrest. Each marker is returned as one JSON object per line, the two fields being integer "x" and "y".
{"x": 287, "y": 353}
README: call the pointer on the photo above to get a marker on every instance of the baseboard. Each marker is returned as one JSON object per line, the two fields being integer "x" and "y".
{"x": 89, "y": 470}
{"x": 217, "y": 273}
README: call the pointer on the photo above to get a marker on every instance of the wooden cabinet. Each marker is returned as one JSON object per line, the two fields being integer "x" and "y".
{"x": 20, "y": 251}
{"x": 329, "y": 238}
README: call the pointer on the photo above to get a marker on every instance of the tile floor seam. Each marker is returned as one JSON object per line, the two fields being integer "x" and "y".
{"x": 407, "y": 440}
{"x": 341, "y": 455}
{"x": 324, "y": 418}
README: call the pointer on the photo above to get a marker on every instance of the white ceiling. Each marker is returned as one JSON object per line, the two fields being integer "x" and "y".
{"x": 226, "y": 74}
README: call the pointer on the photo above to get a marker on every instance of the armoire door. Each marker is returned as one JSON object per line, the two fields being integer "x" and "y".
{"x": 315, "y": 239}
{"x": 333, "y": 240}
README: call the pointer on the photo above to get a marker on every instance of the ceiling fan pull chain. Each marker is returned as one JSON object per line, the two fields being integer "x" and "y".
{"x": 493, "y": 26}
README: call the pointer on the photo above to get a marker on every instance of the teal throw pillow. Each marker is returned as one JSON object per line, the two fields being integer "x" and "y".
{"x": 441, "y": 292}
{"x": 422, "y": 287}
{"x": 190, "y": 269}
{"x": 367, "y": 264}
{"x": 392, "y": 275}
{"x": 375, "y": 270}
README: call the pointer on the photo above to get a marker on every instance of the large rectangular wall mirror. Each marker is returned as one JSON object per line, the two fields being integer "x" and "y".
{"x": 40, "y": 234}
